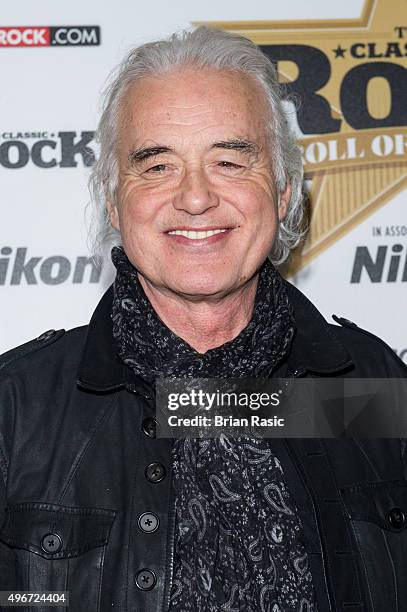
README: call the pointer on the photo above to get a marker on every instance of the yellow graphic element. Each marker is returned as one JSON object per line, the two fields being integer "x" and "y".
{"x": 347, "y": 150}
{"x": 353, "y": 172}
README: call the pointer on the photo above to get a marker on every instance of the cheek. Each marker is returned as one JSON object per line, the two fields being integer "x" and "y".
{"x": 139, "y": 233}
{"x": 134, "y": 204}
{"x": 259, "y": 210}
{"x": 136, "y": 213}
{"x": 131, "y": 229}
{"x": 261, "y": 221}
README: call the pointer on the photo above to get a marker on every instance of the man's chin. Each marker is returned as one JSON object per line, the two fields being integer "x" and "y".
{"x": 202, "y": 289}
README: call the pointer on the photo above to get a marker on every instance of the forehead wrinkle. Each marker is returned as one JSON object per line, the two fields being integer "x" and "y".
{"x": 185, "y": 130}
{"x": 166, "y": 119}
{"x": 199, "y": 110}
{"x": 187, "y": 107}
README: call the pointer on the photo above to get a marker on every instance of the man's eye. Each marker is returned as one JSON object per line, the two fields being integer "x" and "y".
{"x": 228, "y": 164}
{"x": 157, "y": 168}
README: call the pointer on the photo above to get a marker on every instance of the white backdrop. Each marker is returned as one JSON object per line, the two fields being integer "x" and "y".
{"x": 51, "y": 94}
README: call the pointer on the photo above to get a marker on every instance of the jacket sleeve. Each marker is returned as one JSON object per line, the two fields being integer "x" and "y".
{"x": 4, "y": 428}
{"x": 5, "y": 413}
{"x": 403, "y": 442}
{"x": 2, "y": 500}
{"x": 14, "y": 371}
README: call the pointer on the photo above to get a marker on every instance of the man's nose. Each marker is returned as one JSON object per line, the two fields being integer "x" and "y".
{"x": 195, "y": 194}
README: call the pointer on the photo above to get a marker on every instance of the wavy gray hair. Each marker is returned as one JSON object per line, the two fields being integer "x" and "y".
{"x": 202, "y": 48}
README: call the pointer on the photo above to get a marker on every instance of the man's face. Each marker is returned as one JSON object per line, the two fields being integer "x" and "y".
{"x": 197, "y": 205}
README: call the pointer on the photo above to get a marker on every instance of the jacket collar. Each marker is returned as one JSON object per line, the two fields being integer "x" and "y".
{"x": 315, "y": 347}
{"x": 100, "y": 368}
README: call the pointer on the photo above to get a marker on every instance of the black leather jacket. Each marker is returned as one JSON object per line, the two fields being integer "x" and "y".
{"x": 75, "y": 445}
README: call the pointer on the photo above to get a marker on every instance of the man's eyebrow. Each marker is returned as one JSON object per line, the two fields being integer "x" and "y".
{"x": 237, "y": 144}
{"x": 138, "y": 155}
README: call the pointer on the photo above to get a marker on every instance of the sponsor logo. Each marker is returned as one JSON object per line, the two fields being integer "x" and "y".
{"x": 18, "y": 268}
{"x": 49, "y": 36}
{"x": 384, "y": 259}
{"x": 382, "y": 263}
{"x": 46, "y": 149}
{"x": 389, "y": 231}
{"x": 351, "y": 79}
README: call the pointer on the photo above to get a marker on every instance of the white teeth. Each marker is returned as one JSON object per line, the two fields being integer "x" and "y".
{"x": 196, "y": 235}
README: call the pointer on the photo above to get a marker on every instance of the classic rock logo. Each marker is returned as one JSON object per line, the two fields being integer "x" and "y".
{"x": 46, "y": 149}
{"x": 49, "y": 36}
{"x": 351, "y": 79}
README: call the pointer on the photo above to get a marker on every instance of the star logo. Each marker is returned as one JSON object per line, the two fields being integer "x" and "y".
{"x": 351, "y": 78}
{"x": 339, "y": 52}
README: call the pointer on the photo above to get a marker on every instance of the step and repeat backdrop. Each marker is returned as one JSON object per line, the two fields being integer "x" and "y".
{"x": 345, "y": 67}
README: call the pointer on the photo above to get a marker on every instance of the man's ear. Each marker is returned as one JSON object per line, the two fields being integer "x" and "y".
{"x": 284, "y": 201}
{"x": 113, "y": 214}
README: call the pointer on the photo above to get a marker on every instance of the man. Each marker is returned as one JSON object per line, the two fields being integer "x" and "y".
{"x": 200, "y": 180}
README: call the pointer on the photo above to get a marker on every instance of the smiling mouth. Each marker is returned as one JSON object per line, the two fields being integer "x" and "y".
{"x": 197, "y": 234}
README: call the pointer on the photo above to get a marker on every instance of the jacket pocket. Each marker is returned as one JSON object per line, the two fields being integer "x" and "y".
{"x": 378, "y": 515}
{"x": 48, "y": 547}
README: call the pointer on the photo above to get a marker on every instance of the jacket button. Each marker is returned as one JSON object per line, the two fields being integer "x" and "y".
{"x": 51, "y": 543}
{"x": 149, "y": 426}
{"x": 397, "y": 518}
{"x": 148, "y": 522}
{"x": 155, "y": 472}
{"x": 145, "y": 579}
{"x": 46, "y": 335}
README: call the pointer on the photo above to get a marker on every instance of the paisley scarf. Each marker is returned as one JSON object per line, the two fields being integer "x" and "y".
{"x": 238, "y": 535}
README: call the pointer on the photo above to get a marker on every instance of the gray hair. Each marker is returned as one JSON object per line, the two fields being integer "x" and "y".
{"x": 202, "y": 48}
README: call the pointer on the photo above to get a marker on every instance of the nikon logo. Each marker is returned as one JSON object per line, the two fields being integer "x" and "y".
{"x": 17, "y": 268}
{"x": 386, "y": 264}
{"x": 64, "y": 149}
